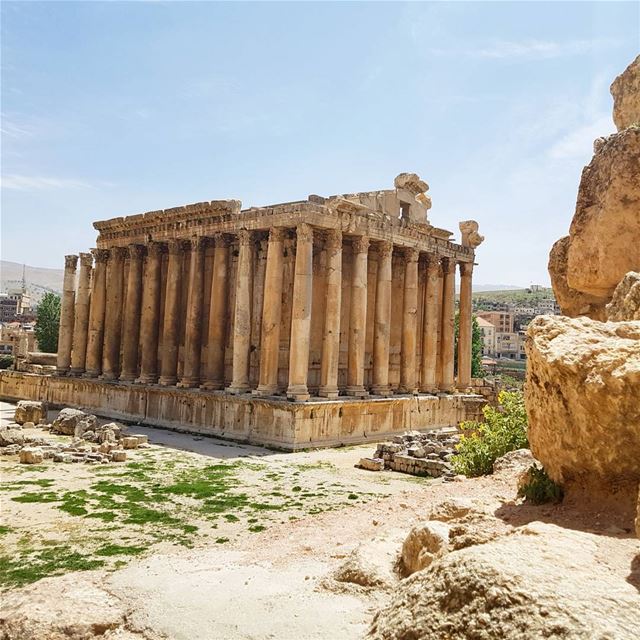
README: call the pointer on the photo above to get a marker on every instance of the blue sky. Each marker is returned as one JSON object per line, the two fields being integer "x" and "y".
{"x": 113, "y": 108}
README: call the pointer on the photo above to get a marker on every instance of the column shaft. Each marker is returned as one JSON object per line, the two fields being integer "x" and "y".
{"x": 193, "y": 334}
{"x": 382, "y": 329}
{"x": 430, "y": 329}
{"x": 447, "y": 326}
{"x": 67, "y": 315}
{"x": 113, "y": 314}
{"x": 333, "y": 303}
{"x": 150, "y": 321}
{"x": 218, "y": 307}
{"x": 465, "y": 328}
{"x": 171, "y": 327}
{"x": 271, "y": 315}
{"x": 301, "y": 315}
{"x": 132, "y": 308}
{"x": 96, "y": 314}
{"x": 357, "y": 318}
{"x": 81, "y": 320}
{"x": 409, "y": 323}
{"x": 242, "y": 315}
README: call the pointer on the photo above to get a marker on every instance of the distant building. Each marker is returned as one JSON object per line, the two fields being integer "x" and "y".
{"x": 14, "y": 305}
{"x": 501, "y": 320}
{"x": 488, "y": 336}
{"x": 11, "y": 334}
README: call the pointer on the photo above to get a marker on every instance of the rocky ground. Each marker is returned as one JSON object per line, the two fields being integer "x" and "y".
{"x": 206, "y": 539}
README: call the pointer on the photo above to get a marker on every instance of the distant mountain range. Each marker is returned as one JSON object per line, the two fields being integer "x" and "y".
{"x": 496, "y": 287}
{"x": 38, "y": 280}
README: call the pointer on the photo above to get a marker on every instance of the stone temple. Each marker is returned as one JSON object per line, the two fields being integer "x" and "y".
{"x": 310, "y": 323}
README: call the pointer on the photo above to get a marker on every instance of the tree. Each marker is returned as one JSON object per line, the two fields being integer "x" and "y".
{"x": 48, "y": 323}
{"x": 476, "y": 347}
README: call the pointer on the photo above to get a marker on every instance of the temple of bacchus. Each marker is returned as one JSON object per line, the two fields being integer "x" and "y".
{"x": 315, "y": 322}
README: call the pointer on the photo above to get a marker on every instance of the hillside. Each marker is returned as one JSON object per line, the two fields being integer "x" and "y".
{"x": 39, "y": 280}
{"x": 516, "y": 296}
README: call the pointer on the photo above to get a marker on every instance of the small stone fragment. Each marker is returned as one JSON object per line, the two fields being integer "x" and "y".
{"x": 31, "y": 455}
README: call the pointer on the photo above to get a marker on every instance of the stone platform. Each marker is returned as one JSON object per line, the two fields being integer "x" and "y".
{"x": 272, "y": 422}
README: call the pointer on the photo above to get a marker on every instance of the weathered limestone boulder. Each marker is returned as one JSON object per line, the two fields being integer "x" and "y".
{"x": 30, "y": 411}
{"x": 514, "y": 462}
{"x": 541, "y": 582}
{"x": 582, "y": 396}
{"x": 625, "y": 304}
{"x": 31, "y": 455}
{"x": 476, "y": 528}
{"x": 9, "y": 437}
{"x": 625, "y": 90}
{"x": 73, "y": 422}
{"x": 451, "y": 509}
{"x": 423, "y": 545}
{"x": 572, "y": 303}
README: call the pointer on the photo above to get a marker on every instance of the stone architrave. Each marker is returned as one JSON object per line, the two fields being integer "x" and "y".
{"x": 271, "y": 315}
{"x": 217, "y": 335}
{"x": 150, "y": 322}
{"x": 358, "y": 318}
{"x": 132, "y": 309}
{"x": 95, "y": 337}
{"x": 301, "y": 315}
{"x": 409, "y": 323}
{"x": 432, "y": 315}
{"x": 242, "y": 315}
{"x": 382, "y": 329}
{"x": 113, "y": 314}
{"x": 333, "y": 303}
{"x": 465, "y": 326}
{"x": 67, "y": 315}
{"x": 448, "y": 325}
{"x": 81, "y": 320}
{"x": 171, "y": 328}
{"x": 193, "y": 333}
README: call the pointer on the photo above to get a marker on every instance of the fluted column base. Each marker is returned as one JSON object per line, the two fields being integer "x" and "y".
{"x": 238, "y": 389}
{"x": 168, "y": 381}
{"x": 128, "y": 377}
{"x": 357, "y": 392}
{"x": 383, "y": 390}
{"x": 264, "y": 390}
{"x": 212, "y": 385}
{"x": 329, "y": 392}
{"x": 147, "y": 379}
{"x": 91, "y": 373}
{"x": 189, "y": 383}
{"x": 76, "y": 373}
{"x": 298, "y": 393}
{"x": 412, "y": 391}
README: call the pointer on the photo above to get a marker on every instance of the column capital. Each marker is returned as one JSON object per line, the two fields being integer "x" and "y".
{"x": 176, "y": 246}
{"x": 221, "y": 240}
{"x": 448, "y": 265}
{"x": 385, "y": 249}
{"x": 155, "y": 248}
{"x": 136, "y": 251}
{"x": 434, "y": 264}
{"x": 304, "y": 232}
{"x": 411, "y": 254}
{"x": 70, "y": 262}
{"x": 466, "y": 269}
{"x": 276, "y": 234}
{"x": 101, "y": 255}
{"x": 333, "y": 240}
{"x": 360, "y": 244}
{"x": 198, "y": 243}
{"x": 245, "y": 236}
{"x": 118, "y": 253}
{"x": 86, "y": 260}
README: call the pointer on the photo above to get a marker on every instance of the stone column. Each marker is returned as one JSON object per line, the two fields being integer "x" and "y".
{"x": 81, "y": 320}
{"x": 96, "y": 314}
{"x": 242, "y": 315}
{"x": 271, "y": 315}
{"x": 382, "y": 329}
{"x": 447, "y": 327}
{"x": 171, "y": 328}
{"x": 132, "y": 307}
{"x": 357, "y": 318}
{"x": 333, "y": 304}
{"x": 218, "y": 306}
{"x": 301, "y": 315}
{"x": 150, "y": 322}
{"x": 193, "y": 333}
{"x": 409, "y": 322}
{"x": 113, "y": 314}
{"x": 432, "y": 315}
{"x": 465, "y": 328}
{"x": 67, "y": 314}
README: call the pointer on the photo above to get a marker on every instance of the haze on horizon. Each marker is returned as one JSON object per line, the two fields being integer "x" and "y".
{"x": 111, "y": 109}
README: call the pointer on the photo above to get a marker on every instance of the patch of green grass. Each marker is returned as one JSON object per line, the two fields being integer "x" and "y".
{"x": 4, "y": 529}
{"x": 43, "y": 496}
{"x": 229, "y": 517}
{"x": 117, "y": 550}
{"x": 105, "y": 516}
{"x": 256, "y": 528}
{"x": 353, "y": 496}
{"x": 221, "y": 540}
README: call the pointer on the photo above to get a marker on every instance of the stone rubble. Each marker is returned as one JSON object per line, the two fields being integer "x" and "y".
{"x": 416, "y": 453}
{"x": 30, "y": 411}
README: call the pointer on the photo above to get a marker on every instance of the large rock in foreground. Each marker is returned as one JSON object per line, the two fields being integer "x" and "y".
{"x": 625, "y": 90}
{"x": 625, "y": 304}
{"x": 541, "y": 582}
{"x": 73, "y": 422}
{"x": 583, "y": 404}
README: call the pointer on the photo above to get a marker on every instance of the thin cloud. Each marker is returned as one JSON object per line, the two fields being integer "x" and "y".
{"x": 579, "y": 142}
{"x": 31, "y": 183}
{"x": 528, "y": 49}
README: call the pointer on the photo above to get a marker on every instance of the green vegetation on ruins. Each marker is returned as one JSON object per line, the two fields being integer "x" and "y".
{"x": 525, "y": 297}
{"x": 103, "y": 516}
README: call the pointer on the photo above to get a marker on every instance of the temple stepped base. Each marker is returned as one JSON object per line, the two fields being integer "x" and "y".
{"x": 271, "y": 422}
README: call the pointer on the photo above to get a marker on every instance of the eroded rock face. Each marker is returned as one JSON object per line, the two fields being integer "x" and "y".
{"x": 605, "y": 229}
{"x": 626, "y": 96}
{"x": 424, "y": 543}
{"x": 625, "y": 304}
{"x": 530, "y": 584}
{"x": 582, "y": 398}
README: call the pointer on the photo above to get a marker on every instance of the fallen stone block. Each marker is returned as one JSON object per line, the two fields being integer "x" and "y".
{"x": 372, "y": 464}
{"x": 129, "y": 442}
{"x": 118, "y": 455}
{"x": 31, "y": 455}
{"x": 30, "y": 411}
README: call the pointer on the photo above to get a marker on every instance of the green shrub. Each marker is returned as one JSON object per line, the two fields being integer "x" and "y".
{"x": 539, "y": 488}
{"x": 6, "y": 361}
{"x": 504, "y": 429}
